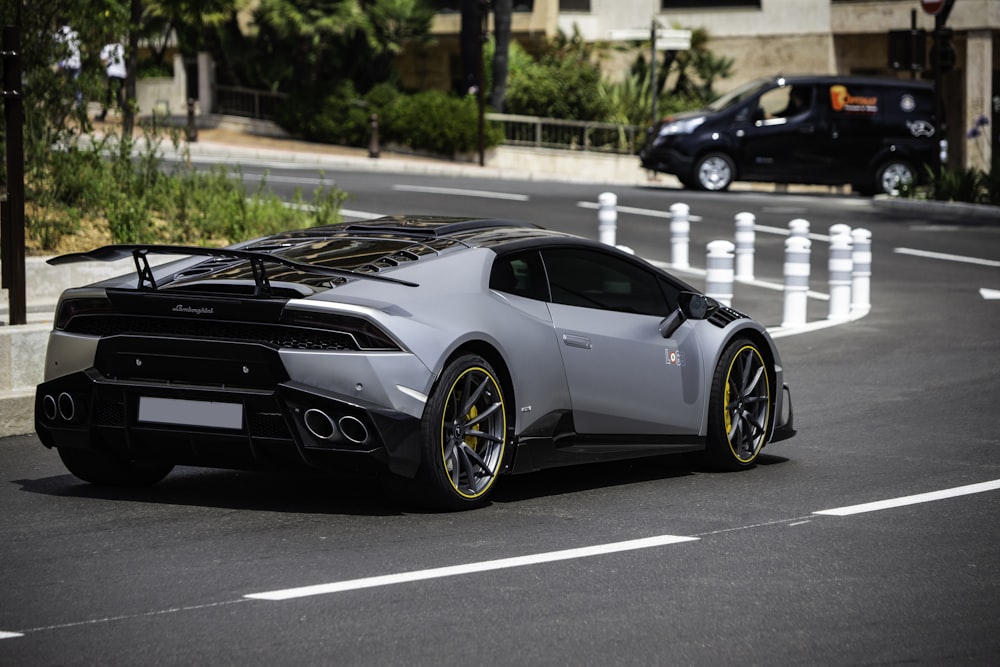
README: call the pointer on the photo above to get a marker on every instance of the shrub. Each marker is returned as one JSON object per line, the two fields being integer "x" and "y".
{"x": 437, "y": 122}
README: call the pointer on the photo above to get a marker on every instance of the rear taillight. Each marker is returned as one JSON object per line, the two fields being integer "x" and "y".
{"x": 367, "y": 335}
{"x": 70, "y": 308}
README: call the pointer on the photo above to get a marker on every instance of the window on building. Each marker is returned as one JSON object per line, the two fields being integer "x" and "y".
{"x": 707, "y": 4}
{"x": 574, "y": 5}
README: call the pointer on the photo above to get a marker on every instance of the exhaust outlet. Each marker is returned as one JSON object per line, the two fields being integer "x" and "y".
{"x": 67, "y": 407}
{"x": 319, "y": 424}
{"x": 353, "y": 429}
{"x": 49, "y": 408}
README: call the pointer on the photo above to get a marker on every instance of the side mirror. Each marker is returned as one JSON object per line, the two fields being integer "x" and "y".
{"x": 695, "y": 306}
{"x": 690, "y": 306}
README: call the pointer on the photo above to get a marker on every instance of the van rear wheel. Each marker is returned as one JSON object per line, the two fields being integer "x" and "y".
{"x": 714, "y": 171}
{"x": 893, "y": 175}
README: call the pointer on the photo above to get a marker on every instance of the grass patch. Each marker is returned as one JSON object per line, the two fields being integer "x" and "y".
{"x": 98, "y": 190}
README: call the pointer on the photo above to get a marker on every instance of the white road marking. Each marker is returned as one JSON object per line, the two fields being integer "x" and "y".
{"x": 469, "y": 568}
{"x": 989, "y": 294}
{"x": 946, "y": 257}
{"x": 10, "y": 635}
{"x": 486, "y": 194}
{"x": 913, "y": 500}
{"x": 648, "y": 212}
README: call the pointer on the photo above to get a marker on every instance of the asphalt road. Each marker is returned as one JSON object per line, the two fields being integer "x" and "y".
{"x": 653, "y": 562}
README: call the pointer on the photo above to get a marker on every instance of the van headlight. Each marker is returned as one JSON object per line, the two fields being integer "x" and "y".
{"x": 686, "y": 126}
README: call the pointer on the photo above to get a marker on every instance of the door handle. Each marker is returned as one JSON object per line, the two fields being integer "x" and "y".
{"x": 577, "y": 341}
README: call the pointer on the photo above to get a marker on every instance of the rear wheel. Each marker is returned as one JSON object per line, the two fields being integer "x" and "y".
{"x": 740, "y": 406}
{"x": 714, "y": 172}
{"x": 893, "y": 175}
{"x": 464, "y": 434}
{"x": 107, "y": 470}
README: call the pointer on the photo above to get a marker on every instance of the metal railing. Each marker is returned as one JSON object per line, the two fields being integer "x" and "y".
{"x": 578, "y": 135}
{"x": 530, "y": 131}
{"x": 247, "y": 102}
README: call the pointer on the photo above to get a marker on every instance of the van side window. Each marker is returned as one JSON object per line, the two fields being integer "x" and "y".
{"x": 779, "y": 104}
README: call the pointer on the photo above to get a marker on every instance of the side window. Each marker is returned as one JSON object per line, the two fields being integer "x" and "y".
{"x": 521, "y": 275}
{"x": 780, "y": 104}
{"x": 593, "y": 279}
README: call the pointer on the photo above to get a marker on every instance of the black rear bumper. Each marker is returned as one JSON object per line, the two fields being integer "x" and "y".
{"x": 292, "y": 425}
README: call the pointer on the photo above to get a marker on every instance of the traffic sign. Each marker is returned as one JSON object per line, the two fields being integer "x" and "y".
{"x": 932, "y": 6}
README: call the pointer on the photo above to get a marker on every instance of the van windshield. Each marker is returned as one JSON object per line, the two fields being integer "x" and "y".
{"x": 737, "y": 95}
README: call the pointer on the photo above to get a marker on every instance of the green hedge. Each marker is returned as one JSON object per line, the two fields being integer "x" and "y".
{"x": 433, "y": 121}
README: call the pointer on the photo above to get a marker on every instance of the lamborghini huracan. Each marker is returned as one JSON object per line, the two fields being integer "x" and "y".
{"x": 438, "y": 353}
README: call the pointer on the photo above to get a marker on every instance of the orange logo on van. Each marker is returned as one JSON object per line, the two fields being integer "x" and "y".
{"x": 842, "y": 100}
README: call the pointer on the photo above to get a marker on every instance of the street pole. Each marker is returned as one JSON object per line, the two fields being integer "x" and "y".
{"x": 12, "y": 223}
{"x": 484, "y": 18}
{"x": 940, "y": 38}
{"x": 652, "y": 68}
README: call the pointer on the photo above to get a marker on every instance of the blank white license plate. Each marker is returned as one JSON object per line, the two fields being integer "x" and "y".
{"x": 190, "y": 413}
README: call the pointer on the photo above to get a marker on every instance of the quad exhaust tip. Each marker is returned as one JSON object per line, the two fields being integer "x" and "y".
{"x": 324, "y": 427}
{"x": 61, "y": 407}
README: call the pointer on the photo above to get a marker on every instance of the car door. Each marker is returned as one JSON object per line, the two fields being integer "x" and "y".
{"x": 788, "y": 140}
{"x": 624, "y": 377}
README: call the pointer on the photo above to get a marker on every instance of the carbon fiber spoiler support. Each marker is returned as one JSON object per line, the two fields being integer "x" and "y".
{"x": 257, "y": 260}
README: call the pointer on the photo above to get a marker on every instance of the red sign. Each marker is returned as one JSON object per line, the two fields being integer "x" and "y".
{"x": 932, "y": 6}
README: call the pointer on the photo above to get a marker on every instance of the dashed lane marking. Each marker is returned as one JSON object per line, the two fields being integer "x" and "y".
{"x": 927, "y": 254}
{"x": 469, "y": 568}
{"x": 913, "y": 500}
{"x": 460, "y": 192}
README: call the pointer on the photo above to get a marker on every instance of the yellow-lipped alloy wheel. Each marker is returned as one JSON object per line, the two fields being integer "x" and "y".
{"x": 740, "y": 406}
{"x": 473, "y": 431}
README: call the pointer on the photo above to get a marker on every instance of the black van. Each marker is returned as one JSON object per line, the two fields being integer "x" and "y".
{"x": 871, "y": 133}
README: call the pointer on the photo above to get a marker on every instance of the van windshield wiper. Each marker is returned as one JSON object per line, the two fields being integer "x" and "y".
{"x": 257, "y": 260}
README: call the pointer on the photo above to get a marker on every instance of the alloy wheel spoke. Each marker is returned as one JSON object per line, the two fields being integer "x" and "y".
{"x": 472, "y": 395}
{"x": 483, "y": 415}
{"x": 474, "y": 457}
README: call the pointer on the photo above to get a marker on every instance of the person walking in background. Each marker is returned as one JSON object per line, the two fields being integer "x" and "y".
{"x": 113, "y": 57}
{"x": 69, "y": 62}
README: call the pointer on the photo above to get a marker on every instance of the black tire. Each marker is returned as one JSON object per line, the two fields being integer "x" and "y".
{"x": 740, "y": 407}
{"x": 106, "y": 470}
{"x": 714, "y": 172}
{"x": 894, "y": 174}
{"x": 464, "y": 435}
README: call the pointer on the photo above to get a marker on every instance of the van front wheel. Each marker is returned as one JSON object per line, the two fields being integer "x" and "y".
{"x": 714, "y": 172}
{"x": 894, "y": 175}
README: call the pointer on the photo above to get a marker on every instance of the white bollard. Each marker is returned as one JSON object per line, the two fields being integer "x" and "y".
{"x": 680, "y": 232}
{"x": 799, "y": 227}
{"x": 839, "y": 228}
{"x": 797, "y": 249}
{"x": 719, "y": 272}
{"x": 745, "y": 239}
{"x": 861, "y": 276}
{"x": 607, "y": 217}
{"x": 840, "y": 268}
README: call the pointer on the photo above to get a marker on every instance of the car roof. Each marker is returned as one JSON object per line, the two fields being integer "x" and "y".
{"x": 858, "y": 80}
{"x": 373, "y": 247}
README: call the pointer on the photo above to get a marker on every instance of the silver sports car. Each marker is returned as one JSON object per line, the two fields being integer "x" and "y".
{"x": 442, "y": 352}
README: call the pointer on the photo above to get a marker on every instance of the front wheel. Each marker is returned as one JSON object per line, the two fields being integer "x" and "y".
{"x": 714, "y": 172}
{"x": 740, "y": 406}
{"x": 107, "y": 470}
{"x": 464, "y": 431}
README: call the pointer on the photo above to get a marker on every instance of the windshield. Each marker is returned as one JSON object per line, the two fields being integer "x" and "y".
{"x": 737, "y": 95}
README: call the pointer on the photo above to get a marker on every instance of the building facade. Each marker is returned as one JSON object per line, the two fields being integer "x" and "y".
{"x": 770, "y": 37}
